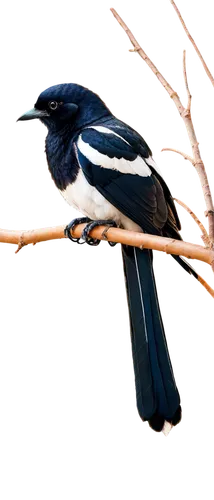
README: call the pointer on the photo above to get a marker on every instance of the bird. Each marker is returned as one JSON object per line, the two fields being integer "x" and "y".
{"x": 105, "y": 169}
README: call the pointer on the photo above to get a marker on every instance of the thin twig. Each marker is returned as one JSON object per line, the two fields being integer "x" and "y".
{"x": 182, "y": 203}
{"x": 205, "y": 236}
{"x": 138, "y": 48}
{"x": 193, "y": 42}
{"x": 185, "y": 156}
{"x": 187, "y": 89}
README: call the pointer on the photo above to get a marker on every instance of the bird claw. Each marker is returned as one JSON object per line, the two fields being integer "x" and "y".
{"x": 71, "y": 226}
{"x": 91, "y": 225}
{"x": 111, "y": 245}
{"x": 93, "y": 242}
{"x": 88, "y": 228}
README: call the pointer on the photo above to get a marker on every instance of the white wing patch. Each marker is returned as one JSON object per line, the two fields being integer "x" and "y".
{"x": 137, "y": 166}
{"x": 106, "y": 130}
{"x": 153, "y": 164}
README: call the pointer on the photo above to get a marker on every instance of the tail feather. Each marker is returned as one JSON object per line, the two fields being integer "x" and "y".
{"x": 172, "y": 230}
{"x": 157, "y": 395}
{"x": 183, "y": 263}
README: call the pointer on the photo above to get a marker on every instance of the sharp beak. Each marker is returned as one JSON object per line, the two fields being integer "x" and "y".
{"x": 33, "y": 113}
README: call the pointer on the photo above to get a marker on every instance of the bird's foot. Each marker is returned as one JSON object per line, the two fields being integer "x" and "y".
{"x": 71, "y": 226}
{"x": 91, "y": 225}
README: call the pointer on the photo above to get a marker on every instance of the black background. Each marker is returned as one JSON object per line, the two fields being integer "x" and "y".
{"x": 61, "y": 306}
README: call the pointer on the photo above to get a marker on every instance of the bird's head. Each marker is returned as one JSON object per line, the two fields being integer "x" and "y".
{"x": 65, "y": 104}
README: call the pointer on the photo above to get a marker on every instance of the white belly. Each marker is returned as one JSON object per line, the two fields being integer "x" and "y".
{"x": 86, "y": 199}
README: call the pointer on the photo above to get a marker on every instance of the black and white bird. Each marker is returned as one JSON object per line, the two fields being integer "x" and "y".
{"x": 105, "y": 169}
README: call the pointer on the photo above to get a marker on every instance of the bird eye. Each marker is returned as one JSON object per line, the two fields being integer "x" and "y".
{"x": 53, "y": 105}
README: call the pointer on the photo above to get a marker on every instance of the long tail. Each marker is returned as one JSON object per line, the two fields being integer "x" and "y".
{"x": 157, "y": 395}
{"x": 183, "y": 263}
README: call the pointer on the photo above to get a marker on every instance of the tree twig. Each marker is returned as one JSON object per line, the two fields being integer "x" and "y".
{"x": 193, "y": 42}
{"x": 138, "y": 48}
{"x": 187, "y": 89}
{"x": 195, "y": 217}
{"x": 182, "y": 203}
{"x": 185, "y": 156}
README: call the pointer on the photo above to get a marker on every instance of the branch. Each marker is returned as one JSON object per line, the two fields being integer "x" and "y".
{"x": 21, "y": 238}
{"x": 187, "y": 89}
{"x": 198, "y": 163}
{"x": 185, "y": 156}
{"x": 186, "y": 116}
{"x": 193, "y": 42}
{"x": 51, "y": 233}
{"x": 189, "y": 210}
{"x": 205, "y": 236}
{"x": 138, "y": 48}
{"x": 188, "y": 120}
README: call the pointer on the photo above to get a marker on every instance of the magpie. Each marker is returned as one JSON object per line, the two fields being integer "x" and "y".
{"x": 105, "y": 169}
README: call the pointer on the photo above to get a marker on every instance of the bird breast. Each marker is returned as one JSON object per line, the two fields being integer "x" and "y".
{"x": 87, "y": 200}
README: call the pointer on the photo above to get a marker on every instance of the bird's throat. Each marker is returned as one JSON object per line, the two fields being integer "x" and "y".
{"x": 61, "y": 158}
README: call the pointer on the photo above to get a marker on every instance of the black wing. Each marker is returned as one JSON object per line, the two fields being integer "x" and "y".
{"x": 110, "y": 157}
